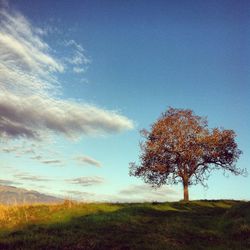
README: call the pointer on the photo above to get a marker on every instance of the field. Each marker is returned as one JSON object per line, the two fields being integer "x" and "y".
{"x": 175, "y": 225}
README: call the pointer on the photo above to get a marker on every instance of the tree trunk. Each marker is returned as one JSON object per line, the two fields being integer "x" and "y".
{"x": 185, "y": 189}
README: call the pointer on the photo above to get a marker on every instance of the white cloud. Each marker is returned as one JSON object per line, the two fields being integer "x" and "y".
{"x": 53, "y": 161}
{"x": 146, "y": 192}
{"x": 33, "y": 115}
{"x": 79, "y": 70}
{"x": 8, "y": 182}
{"x": 36, "y": 157}
{"x": 131, "y": 193}
{"x": 79, "y": 195}
{"x": 9, "y": 149}
{"x": 78, "y": 59}
{"x": 74, "y": 44}
{"x": 29, "y": 177}
{"x": 19, "y": 149}
{"x": 87, "y": 181}
{"x": 29, "y": 103}
{"x": 86, "y": 160}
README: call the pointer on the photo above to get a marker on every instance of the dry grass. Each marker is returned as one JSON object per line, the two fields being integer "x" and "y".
{"x": 194, "y": 225}
{"x": 12, "y": 216}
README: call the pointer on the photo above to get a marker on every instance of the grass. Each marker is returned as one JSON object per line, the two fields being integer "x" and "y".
{"x": 176, "y": 225}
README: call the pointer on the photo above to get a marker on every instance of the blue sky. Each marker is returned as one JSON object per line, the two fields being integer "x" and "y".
{"x": 83, "y": 77}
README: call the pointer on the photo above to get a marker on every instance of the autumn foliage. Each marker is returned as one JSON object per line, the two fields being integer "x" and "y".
{"x": 181, "y": 148}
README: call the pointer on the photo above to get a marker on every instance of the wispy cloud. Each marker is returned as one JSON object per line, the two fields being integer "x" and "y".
{"x": 36, "y": 157}
{"x": 29, "y": 177}
{"x": 86, "y": 160}
{"x": 19, "y": 149}
{"x": 52, "y": 162}
{"x": 146, "y": 192}
{"x": 78, "y": 60}
{"x": 74, "y": 44}
{"x": 21, "y": 118}
{"x": 79, "y": 195}
{"x": 79, "y": 70}
{"x": 30, "y": 106}
{"x": 87, "y": 181}
{"x": 35, "y": 151}
{"x": 8, "y": 182}
{"x": 9, "y": 149}
{"x": 25, "y": 59}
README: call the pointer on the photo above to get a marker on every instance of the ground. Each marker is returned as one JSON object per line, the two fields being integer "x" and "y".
{"x": 221, "y": 224}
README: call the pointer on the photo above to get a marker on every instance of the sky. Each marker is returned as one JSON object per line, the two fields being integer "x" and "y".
{"x": 80, "y": 79}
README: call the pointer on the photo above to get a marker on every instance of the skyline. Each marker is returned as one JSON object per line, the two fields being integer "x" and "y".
{"x": 79, "y": 80}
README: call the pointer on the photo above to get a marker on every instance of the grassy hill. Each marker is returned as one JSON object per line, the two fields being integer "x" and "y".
{"x": 176, "y": 225}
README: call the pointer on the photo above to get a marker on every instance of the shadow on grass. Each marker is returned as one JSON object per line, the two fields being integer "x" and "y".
{"x": 132, "y": 226}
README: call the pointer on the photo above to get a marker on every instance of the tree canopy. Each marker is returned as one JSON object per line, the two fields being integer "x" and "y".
{"x": 181, "y": 148}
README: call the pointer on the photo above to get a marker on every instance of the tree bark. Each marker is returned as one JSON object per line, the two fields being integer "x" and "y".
{"x": 185, "y": 190}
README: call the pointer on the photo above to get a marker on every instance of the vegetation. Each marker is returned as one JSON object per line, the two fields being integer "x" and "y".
{"x": 190, "y": 225}
{"x": 181, "y": 148}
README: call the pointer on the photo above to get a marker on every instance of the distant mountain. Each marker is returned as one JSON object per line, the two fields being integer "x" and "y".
{"x": 14, "y": 195}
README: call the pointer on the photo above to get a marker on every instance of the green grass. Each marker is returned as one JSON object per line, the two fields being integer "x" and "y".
{"x": 176, "y": 225}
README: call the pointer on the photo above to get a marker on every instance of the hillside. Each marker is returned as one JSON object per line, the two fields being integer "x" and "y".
{"x": 14, "y": 195}
{"x": 177, "y": 225}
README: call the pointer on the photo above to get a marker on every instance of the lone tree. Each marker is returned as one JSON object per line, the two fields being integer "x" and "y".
{"x": 181, "y": 148}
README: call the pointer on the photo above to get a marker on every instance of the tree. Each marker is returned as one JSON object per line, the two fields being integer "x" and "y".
{"x": 181, "y": 148}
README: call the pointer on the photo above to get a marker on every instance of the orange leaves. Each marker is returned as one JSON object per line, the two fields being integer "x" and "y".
{"x": 180, "y": 146}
